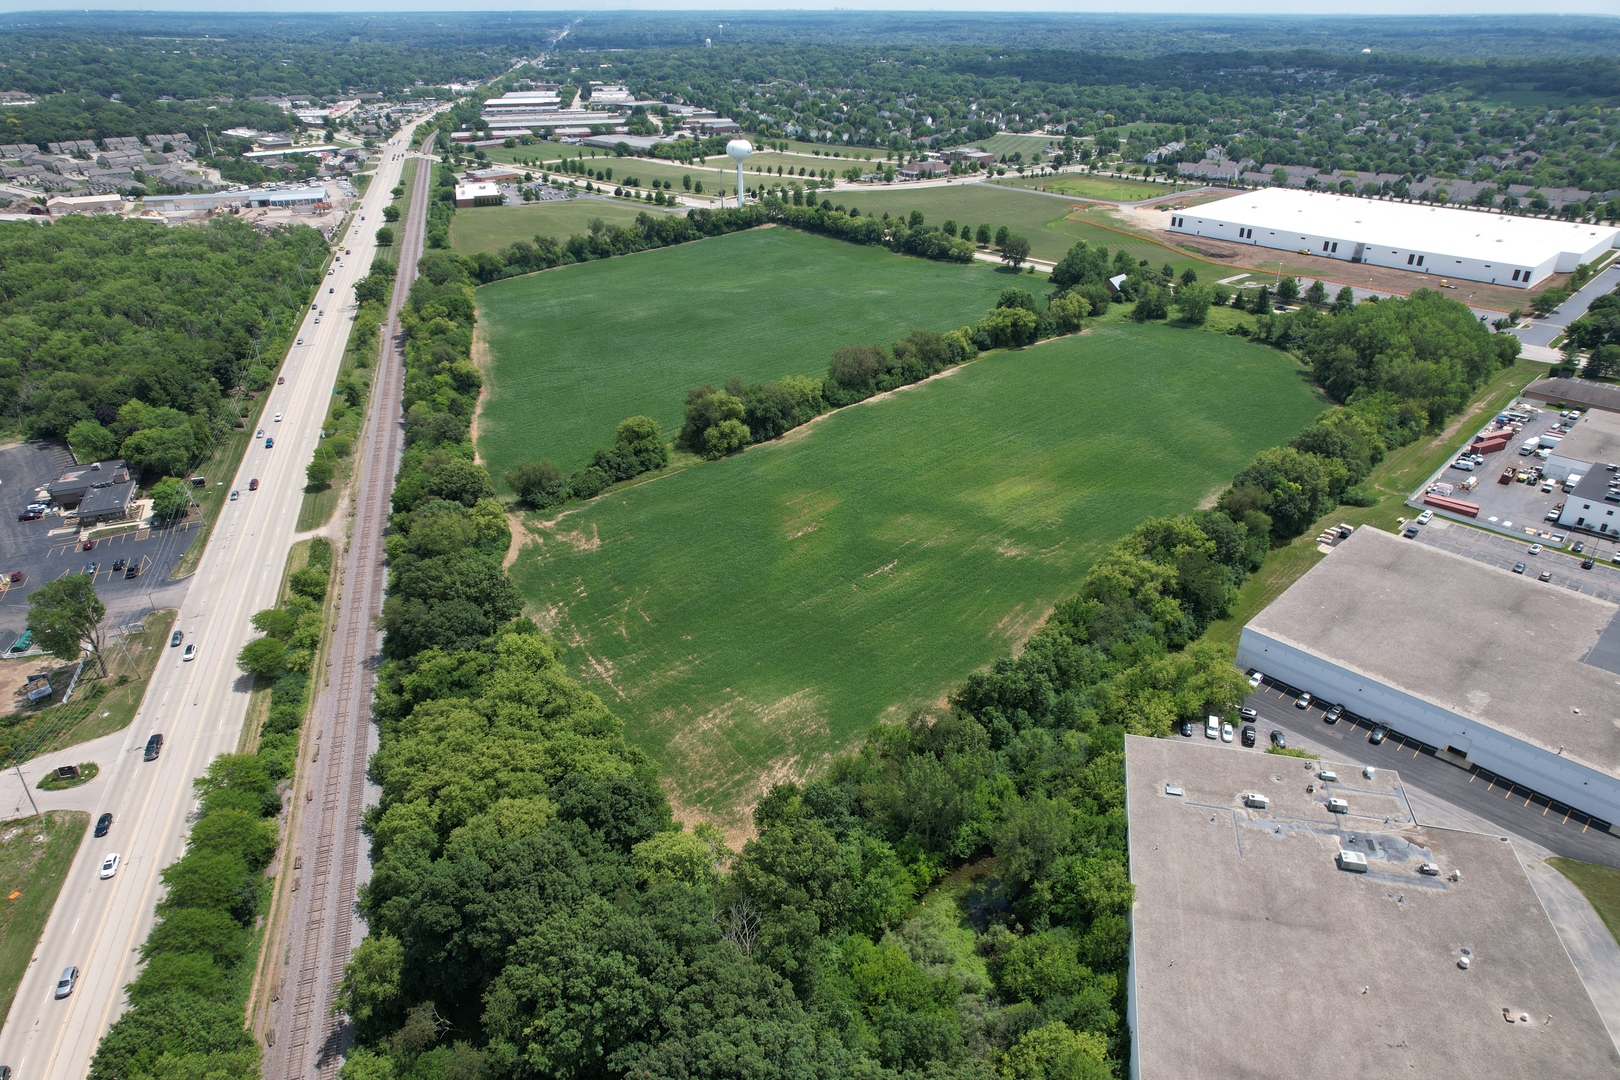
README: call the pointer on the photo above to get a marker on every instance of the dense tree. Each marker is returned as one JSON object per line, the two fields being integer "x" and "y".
{"x": 65, "y": 616}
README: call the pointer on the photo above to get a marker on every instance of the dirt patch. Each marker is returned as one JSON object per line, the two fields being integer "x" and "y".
{"x": 578, "y": 540}
{"x": 521, "y": 538}
{"x": 481, "y": 360}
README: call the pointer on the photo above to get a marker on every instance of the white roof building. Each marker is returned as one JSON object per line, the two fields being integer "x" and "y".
{"x": 1444, "y": 242}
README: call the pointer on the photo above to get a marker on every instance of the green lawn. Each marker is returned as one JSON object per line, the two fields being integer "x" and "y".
{"x": 491, "y": 228}
{"x": 1108, "y": 188}
{"x": 1599, "y": 884}
{"x": 750, "y": 618}
{"x": 575, "y": 350}
{"x": 36, "y": 871}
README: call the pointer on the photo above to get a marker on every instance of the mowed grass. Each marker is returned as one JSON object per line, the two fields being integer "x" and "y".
{"x": 573, "y": 351}
{"x": 752, "y": 617}
{"x": 1106, "y": 188}
{"x": 494, "y": 228}
{"x": 1599, "y": 884}
{"x": 35, "y": 871}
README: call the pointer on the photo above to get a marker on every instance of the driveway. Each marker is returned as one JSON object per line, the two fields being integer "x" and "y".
{"x": 1542, "y": 331}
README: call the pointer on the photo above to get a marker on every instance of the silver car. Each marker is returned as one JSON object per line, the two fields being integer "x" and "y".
{"x": 64, "y": 985}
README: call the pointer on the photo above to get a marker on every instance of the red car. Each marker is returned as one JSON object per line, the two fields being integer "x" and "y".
{"x": 253, "y": 485}
{"x": 88, "y": 545}
{"x": 280, "y": 379}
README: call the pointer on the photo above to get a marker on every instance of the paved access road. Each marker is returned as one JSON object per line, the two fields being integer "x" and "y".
{"x": 1514, "y": 809}
{"x": 1542, "y": 331}
{"x": 199, "y": 707}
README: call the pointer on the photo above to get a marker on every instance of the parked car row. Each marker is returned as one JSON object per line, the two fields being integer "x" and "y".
{"x": 1304, "y": 699}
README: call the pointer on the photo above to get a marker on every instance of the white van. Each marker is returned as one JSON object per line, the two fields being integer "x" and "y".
{"x": 1212, "y": 727}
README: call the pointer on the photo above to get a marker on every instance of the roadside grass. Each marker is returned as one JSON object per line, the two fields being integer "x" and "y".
{"x": 492, "y": 228}
{"x": 572, "y": 351}
{"x": 88, "y": 771}
{"x": 1083, "y": 186}
{"x": 1599, "y": 884}
{"x": 259, "y": 696}
{"x": 100, "y": 706}
{"x": 220, "y": 469}
{"x": 407, "y": 177}
{"x": 343, "y": 422}
{"x": 1395, "y": 478}
{"x": 752, "y": 617}
{"x": 37, "y": 872}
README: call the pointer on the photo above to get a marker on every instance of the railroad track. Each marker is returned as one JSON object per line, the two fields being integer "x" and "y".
{"x": 304, "y": 1040}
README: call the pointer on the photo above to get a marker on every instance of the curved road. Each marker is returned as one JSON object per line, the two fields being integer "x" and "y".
{"x": 199, "y": 707}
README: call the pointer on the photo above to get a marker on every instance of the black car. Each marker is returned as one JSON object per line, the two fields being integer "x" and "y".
{"x": 1580, "y": 546}
{"x": 1248, "y": 734}
{"x": 1518, "y": 568}
{"x": 103, "y": 823}
{"x": 1378, "y": 735}
{"x": 1278, "y": 739}
{"x": 119, "y": 565}
{"x": 1586, "y": 564}
{"x": 154, "y": 747}
{"x": 133, "y": 571}
{"x": 1411, "y": 532}
{"x": 1186, "y": 729}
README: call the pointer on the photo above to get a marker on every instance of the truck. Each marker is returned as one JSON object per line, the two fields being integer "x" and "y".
{"x": 38, "y": 687}
{"x": 1506, "y": 477}
{"x": 1571, "y": 480}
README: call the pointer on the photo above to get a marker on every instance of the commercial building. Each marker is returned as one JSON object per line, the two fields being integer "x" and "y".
{"x": 72, "y": 487}
{"x": 110, "y": 203}
{"x": 1495, "y": 669}
{"x": 920, "y": 169}
{"x": 495, "y": 174}
{"x": 478, "y": 194}
{"x": 288, "y": 198}
{"x": 1593, "y": 441}
{"x": 109, "y": 502}
{"x": 1435, "y": 240}
{"x": 1276, "y": 935}
{"x": 1580, "y": 393}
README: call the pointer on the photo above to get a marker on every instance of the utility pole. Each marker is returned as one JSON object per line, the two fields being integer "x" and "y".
{"x": 18, "y": 767}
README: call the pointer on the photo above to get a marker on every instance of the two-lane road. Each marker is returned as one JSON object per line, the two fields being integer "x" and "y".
{"x": 199, "y": 706}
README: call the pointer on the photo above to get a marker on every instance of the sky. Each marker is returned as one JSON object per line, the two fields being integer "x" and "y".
{"x": 1237, "y": 7}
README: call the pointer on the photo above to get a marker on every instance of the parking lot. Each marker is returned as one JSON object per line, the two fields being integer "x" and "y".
{"x": 1515, "y": 509}
{"x": 1562, "y": 566}
{"x": 47, "y": 549}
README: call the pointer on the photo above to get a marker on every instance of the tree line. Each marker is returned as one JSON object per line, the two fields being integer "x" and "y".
{"x": 130, "y": 339}
{"x": 186, "y": 1005}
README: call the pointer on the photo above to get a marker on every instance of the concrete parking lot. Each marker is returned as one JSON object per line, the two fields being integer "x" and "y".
{"x": 46, "y": 549}
{"x": 1564, "y": 566}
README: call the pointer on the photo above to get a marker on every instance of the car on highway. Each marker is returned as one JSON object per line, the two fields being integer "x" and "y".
{"x": 190, "y": 653}
{"x": 280, "y": 379}
{"x": 91, "y": 568}
{"x": 259, "y": 434}
{"x": 317, "y": 320}
{"x": 1255, "y": 680}
{"x": 64, "y": 985}
{"x": 109, "y": 865}
{"x": 1278, "y": 739}
{"x": 253, "y": 484}
{"x": 1248, "y": 734}
{"x": 1535, "y": 549}
{"x": 1518, "y": 568}
{"x": 1226, "y": 732}
{"x": 235, "y": 494}
{"x": 1333, "y": 714}
{"x": 269, "y": 444}
{"x": 1546, "y": 575}
{"x": 154, "y": 745}
{"x": 1379, "y": 734}
{"x": 332, "y": 290}
{"x": 300, "y": 341}
{"x": 103, "y": 823}
{"x": 278, "y": 418}
{"x": 176, "y": 638}
{"x": 1304, "y": 700}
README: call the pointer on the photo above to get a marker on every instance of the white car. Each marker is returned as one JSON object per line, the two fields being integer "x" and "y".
{"x": 1425, "y": 517}
{"x": 1256, "y": 679}
{"x": 1226, "y": 732}
{"x": 1535, "y": 549}
{"x": 109, "y": 865}
{"x": 190, "y": 653}
{"x": 278, "y": 418}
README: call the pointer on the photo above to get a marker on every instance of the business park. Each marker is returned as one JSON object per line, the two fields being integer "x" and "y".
{"x": 1490, "y": 668}
{"x": 1441, "y": 241}
{"x": 1291, "y": 918}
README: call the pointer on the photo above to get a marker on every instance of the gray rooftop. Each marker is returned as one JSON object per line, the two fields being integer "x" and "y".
{"x": 1499, "y": 648}
{"x": 1257, "y": 957}
{"x": 1583, "y": 392}
{"x": 1595, "y": 438}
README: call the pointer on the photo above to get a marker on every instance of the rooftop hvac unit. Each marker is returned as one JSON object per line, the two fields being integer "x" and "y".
{"x": 1338, "y": 806}
{"x": 1353, "y": 861}
{"x": 1328, "y": 776}
{"x": 1256, "y": 802}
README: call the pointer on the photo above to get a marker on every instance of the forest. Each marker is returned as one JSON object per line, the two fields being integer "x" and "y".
{"x": 129, "y": 338}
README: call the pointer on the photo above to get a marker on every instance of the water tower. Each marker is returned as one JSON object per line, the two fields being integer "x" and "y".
{"x": 738, "y": 150}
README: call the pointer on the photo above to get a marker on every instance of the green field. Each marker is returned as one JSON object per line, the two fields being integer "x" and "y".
{"x": 752, "y": 617}
{"x": 1106, "y": 188}
{"x": 575, "y": 350}
{"x": 491, "y": 228}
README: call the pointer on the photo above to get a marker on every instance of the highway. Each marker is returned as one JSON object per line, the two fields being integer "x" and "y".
{"x": 199, "y": 706}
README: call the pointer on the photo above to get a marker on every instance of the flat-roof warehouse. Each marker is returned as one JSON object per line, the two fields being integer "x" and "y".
{"x": 1276, "y": 938}
{"x": 1447, "y": 243}
{"x": 1518, "y": 676}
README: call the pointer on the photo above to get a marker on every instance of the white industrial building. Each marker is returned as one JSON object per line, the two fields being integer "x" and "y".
{"x": 1436, "y": 240}
{"x": 1296, "y": 918}
{"x": 478, "y": 194}
{"x": 1494, "y": 669}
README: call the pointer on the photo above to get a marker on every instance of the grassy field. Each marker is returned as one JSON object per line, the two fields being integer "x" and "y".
{"x": 575, "y": 350}
{"x": 1599, "y": 884}
{"x": 752, "y": 617}
{"x": 491, "y": 228}
{"x": 37, "y": 872}
{"x": 1107, "y": 188}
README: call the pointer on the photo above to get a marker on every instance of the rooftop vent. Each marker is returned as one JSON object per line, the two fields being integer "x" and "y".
{"x": 1256, "y": 802}
{"x": 1338, "y": 806}
{"x": 1171, "y": 789}
{"x": 1327, "y": 776}
{"x": 1353, "y": 861}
